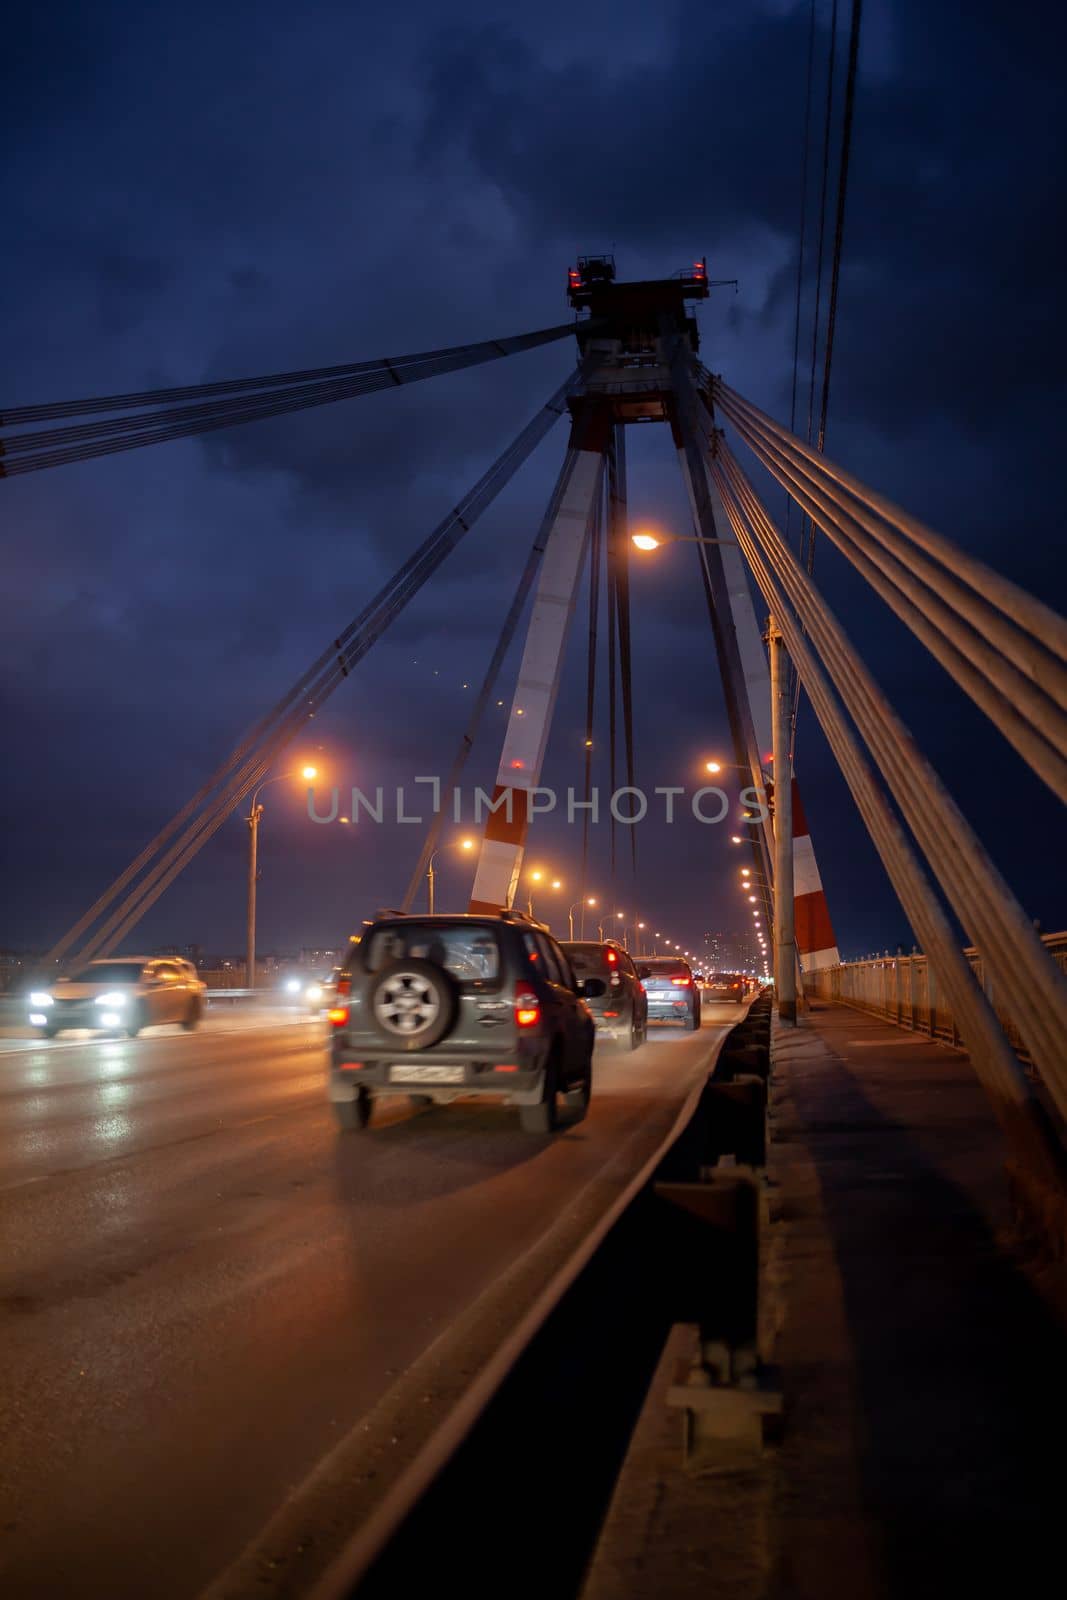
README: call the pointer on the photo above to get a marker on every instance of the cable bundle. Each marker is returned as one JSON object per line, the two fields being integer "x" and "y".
{"x": 160, "y": 415}
{"x": 1025, "y": 979}
{"x": 1005, "y": 649}
{"x": 136, "y": 889}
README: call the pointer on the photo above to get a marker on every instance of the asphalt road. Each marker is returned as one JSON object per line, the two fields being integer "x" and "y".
{"x": 203, "y": 1287}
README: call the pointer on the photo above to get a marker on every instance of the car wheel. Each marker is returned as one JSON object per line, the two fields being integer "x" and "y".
{"x": 692, "y": 1022}
{"x": 353, "y": 1115}
{"x": 412, "y": 1004}
{"x": 635, "y": 1034}
{"x": 544, "y": 1116}
{"x": 47, "y": 1033}
{"x": 137, "y": 1023}
{"x": 192, "y": 1016}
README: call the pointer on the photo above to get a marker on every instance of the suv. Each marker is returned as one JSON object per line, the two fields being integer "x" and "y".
{"x": 621, "y": 1011}
{"x": 672, "y": 995}
{"x": 726, "y": 986}
{"x": 120, "y": 995}
{"x": 439, "y": 1007}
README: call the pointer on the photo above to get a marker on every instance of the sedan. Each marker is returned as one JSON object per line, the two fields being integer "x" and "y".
{"x": 124, "y": 995}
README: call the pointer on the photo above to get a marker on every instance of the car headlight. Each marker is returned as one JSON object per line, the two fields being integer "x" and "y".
{"x": 313, "y": 993}
{"x": 118, "y": 998}
{"x": 292, "y": 985}
{"x": 39, "y": 998}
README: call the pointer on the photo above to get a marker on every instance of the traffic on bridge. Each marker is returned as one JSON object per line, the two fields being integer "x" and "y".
{"x": 533, "y": 1007}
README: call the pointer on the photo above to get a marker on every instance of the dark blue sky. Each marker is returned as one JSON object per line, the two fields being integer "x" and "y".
{"x": 226, "y": 190}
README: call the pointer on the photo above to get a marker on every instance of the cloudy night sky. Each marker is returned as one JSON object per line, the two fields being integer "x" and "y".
{"x": 219, "y": 190}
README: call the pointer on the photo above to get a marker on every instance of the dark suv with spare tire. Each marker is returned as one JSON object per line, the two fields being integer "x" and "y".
{"x": 434, "y": 1008}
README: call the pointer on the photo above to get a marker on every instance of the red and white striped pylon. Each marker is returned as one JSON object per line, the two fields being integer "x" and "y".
{"x": 816, "y": 944}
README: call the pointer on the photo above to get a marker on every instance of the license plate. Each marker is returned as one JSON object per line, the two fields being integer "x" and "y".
{"x": 409, "y": 1074}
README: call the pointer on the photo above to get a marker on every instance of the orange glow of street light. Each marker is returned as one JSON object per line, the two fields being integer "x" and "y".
{"x": 752, "y": 897}
{"x": 646, "y": 541}
{"x": 713, "y": 766}
{"x": 310, "y": 773}
{"x": 466, "y": 844}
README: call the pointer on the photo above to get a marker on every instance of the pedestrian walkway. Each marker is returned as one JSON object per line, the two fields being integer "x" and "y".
{"x": 921, "y": 1350}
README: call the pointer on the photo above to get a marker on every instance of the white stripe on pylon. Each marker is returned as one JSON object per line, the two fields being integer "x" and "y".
{"x": 806, "y": 879}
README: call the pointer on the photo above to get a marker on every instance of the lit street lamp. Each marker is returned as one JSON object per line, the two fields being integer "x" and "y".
{"x": 255, "y": 812}
{"x": 464, "y": 844}
{"x": 589, "y": 901}
{"x": 652, "y": 541}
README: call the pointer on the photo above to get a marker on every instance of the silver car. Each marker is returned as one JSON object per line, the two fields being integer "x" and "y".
{"x": 120, "y": 995}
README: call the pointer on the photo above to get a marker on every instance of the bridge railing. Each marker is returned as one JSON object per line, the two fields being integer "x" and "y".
{"x": 903, "y": 990}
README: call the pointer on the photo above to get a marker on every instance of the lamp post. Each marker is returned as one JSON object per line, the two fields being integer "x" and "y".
{"x": 255, "y": 812}
{"x": 652, "y": 541}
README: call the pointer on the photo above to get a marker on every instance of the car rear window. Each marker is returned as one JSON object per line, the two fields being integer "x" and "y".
{"x": 663, "y": 968}
{"x": 587, "y": 958}
{"x": 470, "y": 953}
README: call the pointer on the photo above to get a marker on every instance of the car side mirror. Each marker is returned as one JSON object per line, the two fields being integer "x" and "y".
{"x": 592, "y": 988}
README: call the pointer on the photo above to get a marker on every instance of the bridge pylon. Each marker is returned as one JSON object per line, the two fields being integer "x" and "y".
{"x": 638, "y": 343}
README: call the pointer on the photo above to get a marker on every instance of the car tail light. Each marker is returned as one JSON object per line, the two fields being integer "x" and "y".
{"x": 735, "y": 986}
{"x": 527, "y": 1009}
{"x": 612, "y": 958}
{"x": 343, "y": 988}
{"x": 338, "y": 1016}
{"x": 350, "y": 1066}
{"x": 502, "y": 1068}
{"x": 680, "y": 983}
{"x": 611, "y": 1013}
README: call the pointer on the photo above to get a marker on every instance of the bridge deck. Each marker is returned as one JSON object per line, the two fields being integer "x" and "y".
{"x": 921, "y": 1355}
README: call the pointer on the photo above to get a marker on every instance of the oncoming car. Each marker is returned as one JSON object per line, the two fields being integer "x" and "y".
{"x": 434, "y": 1008}
{"x": 122, "y": 994}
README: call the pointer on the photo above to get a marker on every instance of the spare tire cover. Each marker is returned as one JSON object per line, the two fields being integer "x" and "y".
{"x": 412, "y": 1004}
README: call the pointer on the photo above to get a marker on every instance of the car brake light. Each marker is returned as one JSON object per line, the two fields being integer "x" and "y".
{"x": 611, "y": 1013}
{"x": 527, "y": 1009}
{"x": 338, "y": 1016}
{"x": 613, "y": 958}
{"x": 681, "y": 983}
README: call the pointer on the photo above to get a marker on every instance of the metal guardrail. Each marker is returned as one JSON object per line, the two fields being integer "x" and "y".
{"x": 903, "y": 990}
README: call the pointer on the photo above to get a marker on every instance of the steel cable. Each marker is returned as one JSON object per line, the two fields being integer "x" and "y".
{"x": 315, "y": 684}
{"x": 1024, "y": 1120}
{"x": 1022, "y": 712}
{"x": 22, "y": 453}
{"x": 982, "y": 899}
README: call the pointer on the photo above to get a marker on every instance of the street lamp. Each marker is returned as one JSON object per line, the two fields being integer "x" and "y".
{"x": 652, "y": 541}
{"x": 464, "y": 844}
{"x": 590, "y": 900}
{"x": 255, "y": 812}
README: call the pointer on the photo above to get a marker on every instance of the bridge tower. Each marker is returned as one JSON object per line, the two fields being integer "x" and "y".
{"x": 638, "y": 343}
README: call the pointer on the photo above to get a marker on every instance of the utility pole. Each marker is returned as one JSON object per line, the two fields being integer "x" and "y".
{"x": 429, "y": 882}
{"x": 252, "y": 819}
{"x": 785, "y": 950}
